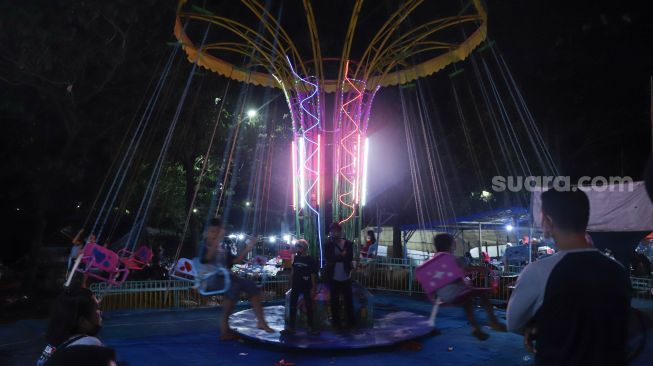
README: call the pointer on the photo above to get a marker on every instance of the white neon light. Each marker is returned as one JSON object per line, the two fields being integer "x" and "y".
{"x": 302, "y": 182}
{"x": 365, "y": 164}
{"x": 319, "y": 177}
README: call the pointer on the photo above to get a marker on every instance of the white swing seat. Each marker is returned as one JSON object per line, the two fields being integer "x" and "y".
{"x": 187, "y": 270}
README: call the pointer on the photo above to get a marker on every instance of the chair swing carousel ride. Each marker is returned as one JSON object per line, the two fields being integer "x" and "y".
{"x": 330, "y": 101}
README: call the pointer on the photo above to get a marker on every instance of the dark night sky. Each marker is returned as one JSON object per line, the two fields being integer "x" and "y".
{"x": 583, "y": 68}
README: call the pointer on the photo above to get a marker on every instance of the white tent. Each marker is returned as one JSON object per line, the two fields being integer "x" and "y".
{"x": 494, "y": 251}
{"x": 613, "y": 208}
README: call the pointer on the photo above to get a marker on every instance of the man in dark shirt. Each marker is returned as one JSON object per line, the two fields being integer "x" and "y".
{"x": 338, "y": 253}
{"x": 303, "y": 281}
{"x": 574, "y": 304}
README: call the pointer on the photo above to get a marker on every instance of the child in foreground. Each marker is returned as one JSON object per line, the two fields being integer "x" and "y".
{"x": 302, "y": 282}
{"x": 459, "y": 293}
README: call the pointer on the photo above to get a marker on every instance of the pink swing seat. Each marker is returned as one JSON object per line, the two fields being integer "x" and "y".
{"x": 136, "y": 260}
{"x": 437, "y": 272}
{"x": 103, "y": 264}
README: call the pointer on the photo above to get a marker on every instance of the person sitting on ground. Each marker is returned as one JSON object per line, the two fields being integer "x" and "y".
{"x": 575, "y": 303}
{"x": 76, "y": 319}
{"x": 303, "y": 281}
{"x": 458, "y": 292}
{"x": 212, "y": 256}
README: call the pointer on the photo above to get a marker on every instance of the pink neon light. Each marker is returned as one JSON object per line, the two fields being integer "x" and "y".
{"x": 293, "y": 152}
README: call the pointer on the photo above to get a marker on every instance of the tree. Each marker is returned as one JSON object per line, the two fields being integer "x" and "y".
{"x": 67, "y": 68}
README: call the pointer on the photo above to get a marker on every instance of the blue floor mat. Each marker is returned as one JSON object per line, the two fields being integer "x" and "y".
{"x": 190, "y": 337}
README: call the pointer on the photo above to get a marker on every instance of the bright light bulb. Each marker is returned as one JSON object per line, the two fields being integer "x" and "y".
{"x": 232, "y": 236}
{"x": 194, "y": 210}
{"x": 252, "y": 113}
{"x": 273, "y": 239}
{"x": 509, "y": 227}
{"x": 286, "y": 238}
{"x": 241, "y": 236}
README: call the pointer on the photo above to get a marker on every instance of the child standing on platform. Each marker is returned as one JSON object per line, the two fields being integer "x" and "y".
{"x": 303, "y": 281}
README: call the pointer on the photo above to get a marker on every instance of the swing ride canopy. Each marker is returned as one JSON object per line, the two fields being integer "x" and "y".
{"x": 386, "y": 61}
{"x": 250, "y": 42}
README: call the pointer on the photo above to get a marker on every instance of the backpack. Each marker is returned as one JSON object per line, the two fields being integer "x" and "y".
{"x": 50, "y": 350}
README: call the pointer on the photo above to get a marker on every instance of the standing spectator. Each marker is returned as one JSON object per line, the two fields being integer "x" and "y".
{"x": 575, "y": 303}
{"x": 371, "y": 247}
{"x": 338, "y": 253}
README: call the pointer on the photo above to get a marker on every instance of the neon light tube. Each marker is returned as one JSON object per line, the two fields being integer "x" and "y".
{"x": 302, "y": 188}
{"x": 359, "y": 156}
{"x": 293, "y": 158}
{"x": 319, "y": 176}
{"x": 365, "y": 164}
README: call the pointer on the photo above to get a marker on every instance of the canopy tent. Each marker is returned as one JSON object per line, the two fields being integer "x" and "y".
{"x": 499, "y": 217}
{"x": 613, "y": 208}
{"x": 487, "y": 229}
{"x": 620, "y": 216}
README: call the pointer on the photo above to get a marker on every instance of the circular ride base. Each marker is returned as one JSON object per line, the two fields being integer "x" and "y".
{"x": 388, "y": 330}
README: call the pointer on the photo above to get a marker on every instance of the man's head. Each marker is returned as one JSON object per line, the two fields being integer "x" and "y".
{"x": 564, "y": 213}
{"x": 215, "y": 230}
{"x": 444, "y": 243}
{"x": 335, "y": 230}
{"x": 301, "y": 247}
